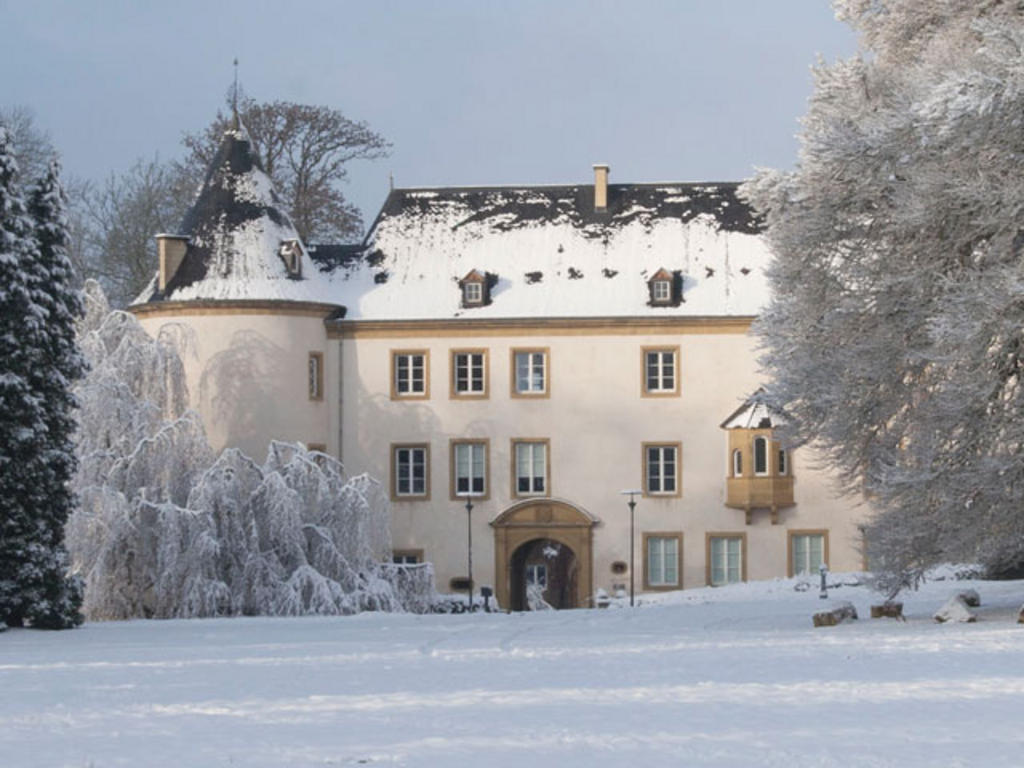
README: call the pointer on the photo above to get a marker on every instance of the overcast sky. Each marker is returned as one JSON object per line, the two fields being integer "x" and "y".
{"x": 468, "y": 91}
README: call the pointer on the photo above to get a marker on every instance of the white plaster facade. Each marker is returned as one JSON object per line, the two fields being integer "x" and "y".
{"x": 248, "y": 369}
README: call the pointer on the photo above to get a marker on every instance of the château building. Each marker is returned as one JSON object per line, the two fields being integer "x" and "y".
{"x": 536, "y": 350}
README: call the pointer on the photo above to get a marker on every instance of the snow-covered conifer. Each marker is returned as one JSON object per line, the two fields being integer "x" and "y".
{"x": 894, "y": 335}
{"x": 39, "y": 363}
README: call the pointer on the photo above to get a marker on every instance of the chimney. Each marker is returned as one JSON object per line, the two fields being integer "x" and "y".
{"x": 600, "y": 187}
{"x": 170, "y": 250}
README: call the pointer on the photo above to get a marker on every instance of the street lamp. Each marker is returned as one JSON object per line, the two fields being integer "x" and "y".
{"x": 469, "y": 546}
{"x": 632, "y": 539}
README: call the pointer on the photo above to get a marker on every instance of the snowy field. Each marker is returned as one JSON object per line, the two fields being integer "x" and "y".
{"x": 727, "y": 677}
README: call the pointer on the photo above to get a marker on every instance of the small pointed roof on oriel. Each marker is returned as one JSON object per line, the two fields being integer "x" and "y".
{"x": 755, "y": 413}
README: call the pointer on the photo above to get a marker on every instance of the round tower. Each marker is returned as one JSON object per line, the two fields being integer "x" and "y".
{"x": 246, "y": 303}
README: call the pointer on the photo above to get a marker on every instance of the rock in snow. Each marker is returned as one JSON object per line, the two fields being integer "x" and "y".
{"x": 971, "y": 597}
{"x": 843, "y": 611}
{"x": 955, "y": 610}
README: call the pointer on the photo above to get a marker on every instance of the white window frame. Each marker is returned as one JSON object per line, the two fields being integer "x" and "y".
{"x": 530, "y": 463}
{"x": 406, "y": 557}
{"x": 471, "y": 456}
{"x": 659, "y": 457}
{"x": 530, "y": 372}
{"x": 661, "y": 291}
{"x": 800, "y": 549}
{"x": 657, "y": 548}
{"x": 663, "y": 364}
{"x": 406, "y": 458}
{"x": 536, "y": 574}
{"x": 406, "y": 365}
{"x": 783, "y": 458}
{"x": 469, "y": 373}
{"x": 473, "y": 292}
{"x": 737, "y": 463}
{"x": 731, "y": 548}
{"x": 765, "y": 455}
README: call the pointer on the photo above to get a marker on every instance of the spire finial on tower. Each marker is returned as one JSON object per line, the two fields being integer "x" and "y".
{"x": 235, "y": 122}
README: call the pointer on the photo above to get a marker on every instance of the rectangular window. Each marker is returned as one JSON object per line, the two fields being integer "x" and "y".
{"x": 469, "y": 468}
{"x": 661, "y": 564}
{"x": 661, "y": 469}
{"x": 661, "y": 291}
{"x": 760, "y": 456}
{"x": 530, "y": 377}
{"x": 407, "y": 556}
{"x": 661, "y": 371}
{"x": 807, "y": 551}
{"x": 473, "y": 293}
{"x": 409, "y": 372}
{"x": 315, "y": 375}
{"x": 469, "y": 373}
{"x": 725, "y": 559}
{"x": 530, "y": 467}
{"x": 409, "y": 472}
{"x": 537, "y": 575}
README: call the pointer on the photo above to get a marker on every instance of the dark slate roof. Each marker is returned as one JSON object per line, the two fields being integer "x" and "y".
{"x": 330, "y": 256}
{"x": 235, "y": 230}
{"x": 507, "y": 208}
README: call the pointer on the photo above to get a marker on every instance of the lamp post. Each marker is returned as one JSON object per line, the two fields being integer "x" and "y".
{"x": 469, "y": 546}
{"x": 632, "y": 540}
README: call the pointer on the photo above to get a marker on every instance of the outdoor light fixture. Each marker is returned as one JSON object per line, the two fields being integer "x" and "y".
{"x": 469, "y": 546}
{"x": 632, "y": 539}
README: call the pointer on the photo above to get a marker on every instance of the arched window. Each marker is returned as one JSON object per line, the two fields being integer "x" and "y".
{"x": 760, "y": 456}
{"x": 737, "y": 463}
{"x": 783, "y": 462}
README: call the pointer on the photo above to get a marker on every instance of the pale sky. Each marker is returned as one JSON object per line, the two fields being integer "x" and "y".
{"x": 469, "y": 91}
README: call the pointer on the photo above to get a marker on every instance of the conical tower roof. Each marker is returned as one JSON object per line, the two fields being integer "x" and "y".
{"x": 241, "y": 243}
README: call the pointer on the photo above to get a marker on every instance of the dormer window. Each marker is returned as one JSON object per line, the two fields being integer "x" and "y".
{"x": 291, "y": 254}
{"x": 662, "y": 289}
{"x": 474, "y": 287}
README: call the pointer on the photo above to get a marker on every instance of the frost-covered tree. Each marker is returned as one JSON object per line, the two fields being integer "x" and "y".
{"x": 163, "y": 529}
{"x": 895, "y": 336}
{"x": 38, "y": 365}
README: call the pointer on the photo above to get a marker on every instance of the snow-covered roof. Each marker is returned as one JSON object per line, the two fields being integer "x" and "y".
{"x": 235, "y": 231}
{"x": 755, "y": 413}
{"x": 545, "y": 250}
{"x": 549, "y": 253}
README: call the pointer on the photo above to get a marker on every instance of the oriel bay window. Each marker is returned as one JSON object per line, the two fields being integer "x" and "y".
{"x": 530, "y": 375}
{"x": 469, "y": 468}
{"x": 410, "y": 472}
{"x": 409, "y": 374}
{"x": 530, "y": 467}
{"x": 661, "y": 469}
{"x": 469, "y": 373}
{"x": 661, "y": 560}
{"x": 660, "y": 371}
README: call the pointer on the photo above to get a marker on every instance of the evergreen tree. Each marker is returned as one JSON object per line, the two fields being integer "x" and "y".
{"x": 60, "y": 365}
{"x": 35, "y": 461}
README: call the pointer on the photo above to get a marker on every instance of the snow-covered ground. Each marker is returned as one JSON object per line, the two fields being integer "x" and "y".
{"x": 727, "y": 677}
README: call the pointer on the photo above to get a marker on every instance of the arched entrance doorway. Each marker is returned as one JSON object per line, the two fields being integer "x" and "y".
{"x": 550, "y": 533}
{"x": 544, "y": 573}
